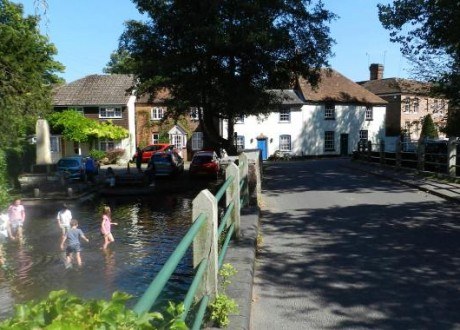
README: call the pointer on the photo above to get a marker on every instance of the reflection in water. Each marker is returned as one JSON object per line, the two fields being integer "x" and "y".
{"x": 149, "y": 229}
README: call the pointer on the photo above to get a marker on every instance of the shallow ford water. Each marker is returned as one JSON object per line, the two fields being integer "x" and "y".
{"x": 149, "y": 229}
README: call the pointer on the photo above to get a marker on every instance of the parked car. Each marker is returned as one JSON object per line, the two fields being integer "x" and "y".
{"x": 72, "y": 167}
{"x": 205, "y": 163}
{"x": 167, "y": 163}
{"x": 151, "y": 149}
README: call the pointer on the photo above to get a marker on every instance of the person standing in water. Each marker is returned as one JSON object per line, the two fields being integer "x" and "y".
{"x": 17, "y": 216}
{"x": 73, "y": 247}
{"x": 63, "y": 219}
{"x": 106, "y": 225}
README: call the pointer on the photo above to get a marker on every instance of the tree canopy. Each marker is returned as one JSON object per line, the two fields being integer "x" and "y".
{"x": 429, "y": 34}
{"x": 27, "y": 73}
{"x": 428, "y": 128}
{"x": 225, "y": 56}
{"x": 76, "y": 127}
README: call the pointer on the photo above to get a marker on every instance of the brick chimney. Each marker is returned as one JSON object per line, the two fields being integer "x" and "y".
{"x": 376, "y": 71}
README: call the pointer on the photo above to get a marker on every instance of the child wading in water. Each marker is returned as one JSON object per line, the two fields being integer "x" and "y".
{"x": 106, "y": 227}
{"x": 73, "y": 236}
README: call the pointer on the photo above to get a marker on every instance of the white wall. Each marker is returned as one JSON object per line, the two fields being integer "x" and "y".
{"x": 307, "y": 127}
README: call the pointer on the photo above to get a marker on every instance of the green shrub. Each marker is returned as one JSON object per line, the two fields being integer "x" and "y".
{"x": 97, "y": 154}
{"x": 62, "y": 310}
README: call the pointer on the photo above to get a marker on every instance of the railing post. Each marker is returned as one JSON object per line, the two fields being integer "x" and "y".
{"x": 243, "y": 159}
{"x": 398, "y": 154}
{"x": 382, "y": 152}
{"x": 452, "y": 157}
{"x": 233, "y": 194}
{"x": 421, "y": 156}
{"x": 205, "y": 242}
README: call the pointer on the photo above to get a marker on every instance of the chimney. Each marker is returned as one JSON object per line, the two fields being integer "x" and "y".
{"x": 376, "y": 71}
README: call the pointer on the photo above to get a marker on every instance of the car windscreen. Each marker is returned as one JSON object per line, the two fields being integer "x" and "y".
{"x": 68, "y": 163}
{"x": 202, "y": 159}
{"x": 162, "y": 158}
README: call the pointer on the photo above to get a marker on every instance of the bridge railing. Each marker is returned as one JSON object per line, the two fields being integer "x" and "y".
{"x": 205, "y": 233}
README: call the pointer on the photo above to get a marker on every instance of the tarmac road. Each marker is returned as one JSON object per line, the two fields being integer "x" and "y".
{"x": 343, "y": 249}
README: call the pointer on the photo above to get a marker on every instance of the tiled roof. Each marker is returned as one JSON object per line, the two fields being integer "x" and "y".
{"x": 95, "y": 90}
{"x": 161, "y": 96}
{"x": 396, "y": 86}
{"x": 288, "y": 96}
{"x": 333, "y": 87}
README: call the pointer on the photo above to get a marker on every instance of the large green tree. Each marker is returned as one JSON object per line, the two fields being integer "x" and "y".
{"x": 225, "y": 56}
{"x": 429, "y": 34}
{"x": 27, "y": 73}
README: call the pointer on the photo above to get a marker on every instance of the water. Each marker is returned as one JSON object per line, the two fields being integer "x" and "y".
{"x": 149, "y": 230}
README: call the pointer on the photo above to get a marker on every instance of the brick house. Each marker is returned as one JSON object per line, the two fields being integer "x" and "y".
{"x": 409, "y": 101}
{"x": 102, "y": 98}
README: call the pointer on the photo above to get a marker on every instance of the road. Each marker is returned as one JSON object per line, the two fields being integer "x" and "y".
{"x": 346, "y": 250}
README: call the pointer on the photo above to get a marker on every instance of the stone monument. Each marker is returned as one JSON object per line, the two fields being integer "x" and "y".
{"x": 42, "y": 131}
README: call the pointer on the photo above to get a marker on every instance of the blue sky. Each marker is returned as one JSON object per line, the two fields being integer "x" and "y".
{"x": 86, "y": 32}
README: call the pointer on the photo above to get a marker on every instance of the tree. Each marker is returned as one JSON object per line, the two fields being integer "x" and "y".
{"x": 120, "y": 62}
{"x": 27, "y": 73}
{"x": 429, "y": 34}
{"x": 225, "y": 56}
{"x": 75, "y": 127}
{"x": 428, "y": 129}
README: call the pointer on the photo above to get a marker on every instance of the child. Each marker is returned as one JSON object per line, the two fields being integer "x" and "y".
{"x": 63, "y": 218}
{"x": 106, "y": 226}
{"x": 17, "y": 215}
{"x": 73, "y": 235}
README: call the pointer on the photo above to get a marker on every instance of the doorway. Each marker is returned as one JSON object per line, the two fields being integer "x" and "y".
{"x": 343, "y": 144}
{"x": 262, "y": 146}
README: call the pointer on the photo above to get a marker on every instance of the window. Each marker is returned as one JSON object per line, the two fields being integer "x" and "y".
{"x": 78, "y": 109}
{"x": 110, "y": 112}
{"x": 194, "y": 113}
{"x": 406, "y": 104}
{"x": 329, "y": 112}
{"x": 106, "y": 145}
{"x": 285, "y": 116}
{"x": 416, "y": 105}
{"x": 285, "y": 143}
{"x": 155, "y": 138}
{"x": 369, "y": 113}
{"x": 239, "y": 119}
{"x": 329, "y": 141}
{"x": 240, "y": 142}
{"x": 156, "y": 113}
{"x": 197, "y": 140}
{"x": 363, "y": 135}
{"x": 177, "y": 140}
{"x": 54, "y": 143}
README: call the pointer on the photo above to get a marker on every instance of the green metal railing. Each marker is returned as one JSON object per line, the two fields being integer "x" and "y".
{"x": 226, "y": 227}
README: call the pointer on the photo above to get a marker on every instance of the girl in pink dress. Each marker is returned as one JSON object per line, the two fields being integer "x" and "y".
{"x": 106, "y": 226}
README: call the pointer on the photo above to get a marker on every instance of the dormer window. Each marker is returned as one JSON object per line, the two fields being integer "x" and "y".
{"x": 285, "y": 116}
{"x": 329, "y": 111}
{"x": 195, "y": 113}
{"x": 156, "y": 113}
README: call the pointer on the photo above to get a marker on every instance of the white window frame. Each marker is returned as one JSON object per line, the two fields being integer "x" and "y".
{"x": 369, "y": 113}
{"x": 157, "y": 113}
{"x": 285, "y": 142}
{"x": 177, "y": 140}
{"x": 239, "y": 119}
{"x": 329, "y": 141}
{"x": 155, "y": 138}
{"x": 329, "y": 112}
{"x": 240, "y": 142}
{"x": 406, "y": 107}
{"x": 109, "y": 112}
{"x": 285, "y": 116}
{"x": 197, "y": 141}
{"x": 416, "y": 105}
{"x": 195, "y": 113}
{"x": 364, "y": 135}
{"x": 104, "y": 145}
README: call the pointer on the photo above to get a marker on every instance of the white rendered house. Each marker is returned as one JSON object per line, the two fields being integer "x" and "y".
{"x": 328, "y": 120}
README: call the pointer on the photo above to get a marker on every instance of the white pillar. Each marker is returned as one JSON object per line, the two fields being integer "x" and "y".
{"x": 452, "y": 156}
{"x": 233, "y": 194}
{"x": 42, "y": 132}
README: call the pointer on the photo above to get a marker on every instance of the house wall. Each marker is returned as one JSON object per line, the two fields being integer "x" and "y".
{"x": 307, "y": 128}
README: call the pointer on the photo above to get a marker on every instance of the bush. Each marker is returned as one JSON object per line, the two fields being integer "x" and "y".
{"x": 114, "y": 155}
{"x": 62, "y": 310}
{"x": 97, "y": 154}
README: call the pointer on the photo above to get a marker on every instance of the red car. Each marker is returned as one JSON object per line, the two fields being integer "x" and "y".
{"x": 205, "y": 163}
{"x": 151, "y": 149}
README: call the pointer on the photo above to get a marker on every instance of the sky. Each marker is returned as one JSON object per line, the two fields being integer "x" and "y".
{"x": 86, "y": 32}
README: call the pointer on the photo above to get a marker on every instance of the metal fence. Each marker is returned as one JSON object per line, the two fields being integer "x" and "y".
{"x": 205, "y": 234}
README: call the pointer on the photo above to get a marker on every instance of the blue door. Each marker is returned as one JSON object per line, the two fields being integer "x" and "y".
{"x": 262, "y": 145}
